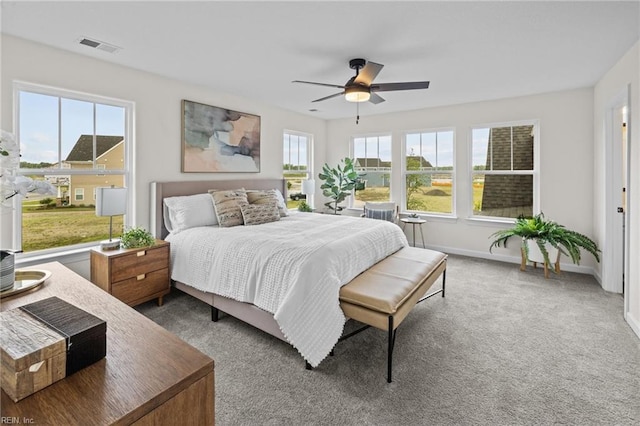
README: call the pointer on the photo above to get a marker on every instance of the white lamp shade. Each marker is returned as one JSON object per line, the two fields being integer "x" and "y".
{"x": 309, "y": 187}
{"x": 111, "y": 201}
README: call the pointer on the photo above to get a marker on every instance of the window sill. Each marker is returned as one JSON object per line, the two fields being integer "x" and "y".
{"x": 489, "y": 221}
{"x": 79, "y": 254}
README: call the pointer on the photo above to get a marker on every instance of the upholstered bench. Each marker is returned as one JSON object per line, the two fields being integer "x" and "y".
{"x": 383, "y": 295}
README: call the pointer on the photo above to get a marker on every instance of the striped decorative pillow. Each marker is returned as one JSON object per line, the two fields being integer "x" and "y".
{"x": 227, "y": 205}
{"x": 257, "y": 214}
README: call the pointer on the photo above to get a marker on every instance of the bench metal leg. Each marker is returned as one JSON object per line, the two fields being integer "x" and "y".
{"x": 444, "y": 278}
{"x": 433, "y": 293}
{"x": 392, "y": 341}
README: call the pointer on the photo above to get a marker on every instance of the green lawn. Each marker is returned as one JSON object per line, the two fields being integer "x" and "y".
{"x": 63, "y": 226}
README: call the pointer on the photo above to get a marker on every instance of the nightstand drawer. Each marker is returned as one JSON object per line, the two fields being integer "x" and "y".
{"x": 141, "y": 286}
{"x": 139, "y": 262}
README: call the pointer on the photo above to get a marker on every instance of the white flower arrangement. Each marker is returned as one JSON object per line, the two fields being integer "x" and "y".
{"x": 12, "y": 183}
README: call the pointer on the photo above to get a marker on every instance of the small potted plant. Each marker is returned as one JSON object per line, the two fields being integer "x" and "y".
{"x": 137, "y": 237}
{"x": 304, "y": 207}
{"x": 549, "y": 238}
{"x": 338, "y": 183}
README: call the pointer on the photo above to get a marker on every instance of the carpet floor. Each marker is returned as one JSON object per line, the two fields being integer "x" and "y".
{"x": 504, "y": 347}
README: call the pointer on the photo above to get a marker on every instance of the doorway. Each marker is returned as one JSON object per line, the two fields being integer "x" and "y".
{"x": 616, "y": 245}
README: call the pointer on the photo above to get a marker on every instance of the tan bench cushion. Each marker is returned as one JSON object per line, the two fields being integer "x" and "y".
{"x": 392, "y": 286}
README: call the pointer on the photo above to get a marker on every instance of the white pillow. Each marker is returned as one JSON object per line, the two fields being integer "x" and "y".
{"x": 282, "y": 205}
{"x": 188, "y": 211}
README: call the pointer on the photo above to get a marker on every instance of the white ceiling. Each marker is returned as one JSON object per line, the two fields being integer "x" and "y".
{"x": 470, "y": 51}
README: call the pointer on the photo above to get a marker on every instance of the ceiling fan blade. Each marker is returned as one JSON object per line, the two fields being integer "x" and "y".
{"x": 329, "y": 97}
{"x": 368, "y": 73}
{"x": 319, "y": 84}
{"x": 376, "y": 99}
{"x": 387, "y": 87}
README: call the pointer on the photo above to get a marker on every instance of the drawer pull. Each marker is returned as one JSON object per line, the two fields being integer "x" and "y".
{"x": 141, "y": 277}
{"x": 141, "y": 253}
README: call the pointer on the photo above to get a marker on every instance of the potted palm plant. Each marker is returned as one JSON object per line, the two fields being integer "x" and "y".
{"x": 338, "y": 182}
{"x": 549, "y": 239}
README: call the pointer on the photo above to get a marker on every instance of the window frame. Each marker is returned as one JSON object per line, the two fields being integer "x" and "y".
{"x": 310, "y": 143}
{"x": 352, "y": 149}
{"x": 453, "y": 173}
{"x": 64, "y": 170}
{"x": 535, "y": 173}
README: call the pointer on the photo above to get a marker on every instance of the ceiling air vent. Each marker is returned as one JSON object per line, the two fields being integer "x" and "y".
{"x": 101, "y": 45}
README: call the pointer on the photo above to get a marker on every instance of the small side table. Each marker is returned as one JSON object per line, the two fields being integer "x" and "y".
{"x": 414, "y": 221}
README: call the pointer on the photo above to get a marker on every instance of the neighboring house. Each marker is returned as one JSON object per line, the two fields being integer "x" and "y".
{"x": 366, "y": 166}
{"x": 515, "y": 190}
{"x": 372, "y": 164}
{"x": 109, "y": 155}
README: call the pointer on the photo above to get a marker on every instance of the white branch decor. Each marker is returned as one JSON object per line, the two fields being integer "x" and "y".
{"x": 11, "y": 182}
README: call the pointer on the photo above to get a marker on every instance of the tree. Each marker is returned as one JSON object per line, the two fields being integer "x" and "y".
{"x": 415, "y": 181}
{"x": 338, "y": 182}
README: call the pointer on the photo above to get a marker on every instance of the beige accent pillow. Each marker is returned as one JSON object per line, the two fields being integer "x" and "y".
{"x": 256, "y": 214}
{"x": 227, "y": 205}
{"x": 262, "y": 197}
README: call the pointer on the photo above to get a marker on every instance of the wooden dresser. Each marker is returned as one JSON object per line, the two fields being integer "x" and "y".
{"x": 149, "y": 376}
{"x": 133, "y": 275}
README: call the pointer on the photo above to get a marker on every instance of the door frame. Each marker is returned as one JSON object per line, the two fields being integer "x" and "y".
{"x": 616, "y": 246}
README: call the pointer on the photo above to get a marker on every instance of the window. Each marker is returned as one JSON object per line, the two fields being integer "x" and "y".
{"x": 429, "y": 172}
{"x": 503, "y": 175}
{"x": 77, "y": 142}
{"x": 296, "y": 165}
{"x": 372, "y": 161}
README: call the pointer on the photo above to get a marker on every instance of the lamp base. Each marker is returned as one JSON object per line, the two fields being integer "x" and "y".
{"x": 110, "y": 244}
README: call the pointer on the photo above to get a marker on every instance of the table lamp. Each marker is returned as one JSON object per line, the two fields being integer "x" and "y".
{"x": 111, "y": 201}
{"x": 309, "y": 188}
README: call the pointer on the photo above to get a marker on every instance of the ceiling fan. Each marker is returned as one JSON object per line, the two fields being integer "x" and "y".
{"x": 360, "y": 88}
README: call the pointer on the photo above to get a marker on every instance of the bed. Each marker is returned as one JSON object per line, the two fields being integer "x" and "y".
{"x": 282, "y": 277}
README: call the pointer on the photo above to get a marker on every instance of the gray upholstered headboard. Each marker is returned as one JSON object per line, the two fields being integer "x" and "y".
{"x": 161, "y": 190}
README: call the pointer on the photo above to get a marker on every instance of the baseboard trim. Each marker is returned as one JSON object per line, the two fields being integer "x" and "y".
{"x": 569, "y": 267}
{"x": 633, "y": 323}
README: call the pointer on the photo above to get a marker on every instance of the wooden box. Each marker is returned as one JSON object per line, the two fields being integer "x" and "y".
{"x": 85, "y": 334}
{"x": 33, "y": 355}
{"x": 45, "y": 341}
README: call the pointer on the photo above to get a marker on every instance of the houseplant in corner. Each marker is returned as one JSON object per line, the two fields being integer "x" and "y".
{"x": 338, "y": 182}
{"x": 547, "y": 236}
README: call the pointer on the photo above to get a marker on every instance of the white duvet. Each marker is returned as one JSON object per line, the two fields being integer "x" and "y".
{"x": 292, "y": 268}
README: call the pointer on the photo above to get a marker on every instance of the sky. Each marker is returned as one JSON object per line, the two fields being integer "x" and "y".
{"x": 39, "y": 118}
{"x": 295, "y": 149}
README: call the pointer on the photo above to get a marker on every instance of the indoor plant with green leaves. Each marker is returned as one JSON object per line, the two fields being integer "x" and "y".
{"x": 545, "y": 234}
{"x": 137, "y": 237}
{"x": 338, "y": 182}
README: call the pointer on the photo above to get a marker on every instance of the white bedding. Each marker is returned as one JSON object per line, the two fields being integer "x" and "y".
{"x": 292, "y": 268}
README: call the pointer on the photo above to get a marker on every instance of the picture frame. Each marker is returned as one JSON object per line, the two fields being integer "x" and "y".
{"x": 216, "y": 139}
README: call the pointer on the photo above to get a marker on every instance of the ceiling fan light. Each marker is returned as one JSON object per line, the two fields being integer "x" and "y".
{"x": 357, "y": 94}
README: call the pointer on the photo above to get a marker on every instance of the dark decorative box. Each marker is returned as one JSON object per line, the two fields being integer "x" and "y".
{"x": 85, "y": 334}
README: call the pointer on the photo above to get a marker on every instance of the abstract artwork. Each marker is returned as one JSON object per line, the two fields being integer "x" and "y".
{"x": 216, "y": 139}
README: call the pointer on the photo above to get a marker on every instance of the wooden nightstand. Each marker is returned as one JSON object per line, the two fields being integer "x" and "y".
{"x": 133, "y": 275}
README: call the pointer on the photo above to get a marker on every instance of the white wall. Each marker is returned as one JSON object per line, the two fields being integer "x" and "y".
{"x": 566, "y": 156}
{"x": 157, "y": 114}
{"x": 625, "y": 74}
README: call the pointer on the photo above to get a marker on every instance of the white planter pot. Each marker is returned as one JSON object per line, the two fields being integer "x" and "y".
{"x": 536, "y": 256}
